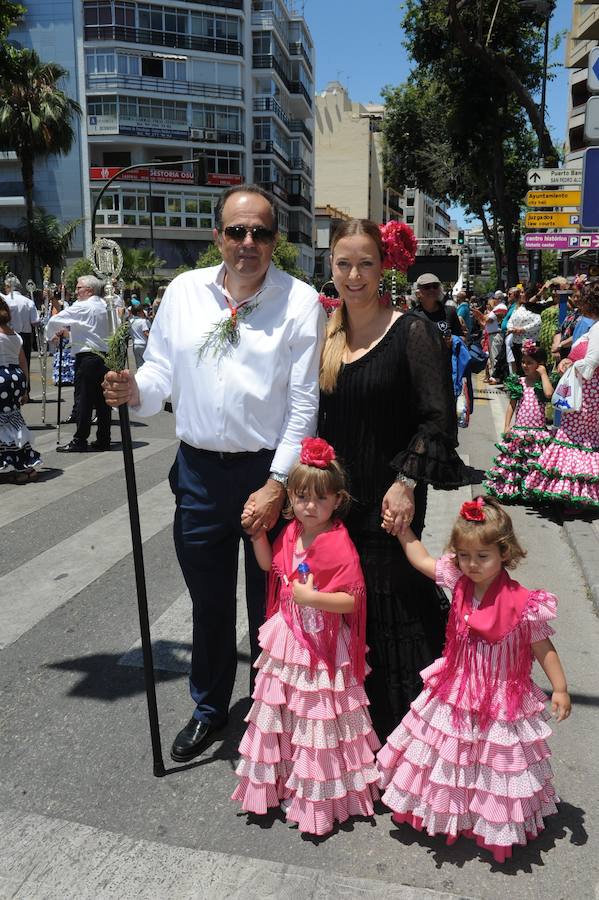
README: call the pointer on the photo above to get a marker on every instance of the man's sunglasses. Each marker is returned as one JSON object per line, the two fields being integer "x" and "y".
{"x": 260, "y": 234}
{"x": 430, "y": 287}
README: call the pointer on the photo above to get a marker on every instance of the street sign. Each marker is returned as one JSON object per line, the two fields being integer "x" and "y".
{"x": 554, "y": 177}
{"x": 593, "y": 71}
{"x": 589, "y": 216}
{"x": 551, "y": 220}
{"x": 591, "y": 120}
{"x": 561, "y": 240}
{"x": 553, "y": 198}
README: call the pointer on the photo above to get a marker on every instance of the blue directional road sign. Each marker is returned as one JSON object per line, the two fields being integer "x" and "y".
{"x": 589, "y": 217}
{"x": 593, "y": 71}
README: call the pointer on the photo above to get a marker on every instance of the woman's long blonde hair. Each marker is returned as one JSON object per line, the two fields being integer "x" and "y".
{"x": 335, "y": 344}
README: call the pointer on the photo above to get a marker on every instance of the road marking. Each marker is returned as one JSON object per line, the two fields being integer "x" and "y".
{"x": 172, "y": 632}
{"x": 92, "y": 468}
{"x": 35, "y": 589}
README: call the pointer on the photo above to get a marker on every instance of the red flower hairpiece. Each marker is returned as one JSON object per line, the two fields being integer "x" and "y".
{"x": 473, "y": 511}
{"x": 528, "y": 346}
{"x": 329, "y": 304}
{"x": 316, "y": 452}
{"x": 400, "y": 246}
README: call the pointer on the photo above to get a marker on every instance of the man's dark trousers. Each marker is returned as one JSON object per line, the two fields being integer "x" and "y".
{"x": 210, "y": 492}
{"x": 89, "y": 374}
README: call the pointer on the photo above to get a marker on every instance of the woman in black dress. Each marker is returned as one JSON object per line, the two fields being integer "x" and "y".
{"x": 387, "y": 407}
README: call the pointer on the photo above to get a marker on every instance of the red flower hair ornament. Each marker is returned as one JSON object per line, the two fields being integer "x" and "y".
{"x": 473, "y": 510}
{"x": 529, "y": 346}
{"x": 316, "y": 452}
{"x": 400, "y": 246}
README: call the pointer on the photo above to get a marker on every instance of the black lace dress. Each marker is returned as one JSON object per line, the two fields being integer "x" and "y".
{"x": 393, "y": 410}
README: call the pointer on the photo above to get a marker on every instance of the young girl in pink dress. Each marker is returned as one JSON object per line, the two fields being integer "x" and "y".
{"x": 524, "y": 442}
{"x": 309, "y": 742}
{"x": 470, "y": 757}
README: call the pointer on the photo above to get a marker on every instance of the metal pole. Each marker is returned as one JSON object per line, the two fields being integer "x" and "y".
{"x": 536, "y": 269}
{"x": 59, "y": 399}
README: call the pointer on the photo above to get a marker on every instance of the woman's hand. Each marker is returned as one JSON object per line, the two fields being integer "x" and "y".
{"x": 561, "y": 705}
{"x": 397, "y": 510}
{"x": 564, "y": 365}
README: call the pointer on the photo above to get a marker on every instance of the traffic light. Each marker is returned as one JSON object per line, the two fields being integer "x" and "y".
{"x": 460, "y": 236}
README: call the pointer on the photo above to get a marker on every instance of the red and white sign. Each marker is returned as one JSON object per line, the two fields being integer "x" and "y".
{"x": 224, "y": 180}
{"x": 168, "y": 176}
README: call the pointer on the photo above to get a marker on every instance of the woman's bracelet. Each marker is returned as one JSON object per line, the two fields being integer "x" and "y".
{"x": 403, "y": 479}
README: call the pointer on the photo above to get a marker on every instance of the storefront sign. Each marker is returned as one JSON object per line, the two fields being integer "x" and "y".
{"x": 165, "y": 176}
{"x": 224, "y": 180}
{"x": 102, "y": 125}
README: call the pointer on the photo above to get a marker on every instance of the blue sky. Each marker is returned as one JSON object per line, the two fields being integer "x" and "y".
{"x": 366, "y": 53}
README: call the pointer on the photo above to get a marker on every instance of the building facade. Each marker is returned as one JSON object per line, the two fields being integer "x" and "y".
{"x": 203, "y": 95}
{"x": 582, "y": 38}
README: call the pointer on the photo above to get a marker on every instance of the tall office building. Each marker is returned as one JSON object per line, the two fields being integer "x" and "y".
{"x": 226, "y": 82}
{"x": 582, "y": 38}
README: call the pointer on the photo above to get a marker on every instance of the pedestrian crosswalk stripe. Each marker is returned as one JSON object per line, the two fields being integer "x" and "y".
{"x": 90, "y": 469}
{"x": 35, "y": 589}
{"x": 172, "y": 632}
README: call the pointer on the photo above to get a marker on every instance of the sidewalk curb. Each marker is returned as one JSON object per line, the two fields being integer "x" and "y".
{"x": 583, "y": 540}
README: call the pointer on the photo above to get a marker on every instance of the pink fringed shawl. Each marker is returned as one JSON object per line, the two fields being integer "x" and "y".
{"x": 474, "y": 669}
{"x": 334, "y": 562}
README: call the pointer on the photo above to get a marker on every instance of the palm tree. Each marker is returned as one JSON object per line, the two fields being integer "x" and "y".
{"x": 45, "y": 238}
{"x": 139, "y": 265}
{"x": 36, "y": 119}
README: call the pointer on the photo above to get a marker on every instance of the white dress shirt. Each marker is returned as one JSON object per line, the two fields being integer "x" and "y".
{"x": 88, "y": 322}
{"x": 589, "y": 363}
{"x": 262, "y": 393}
{"x": 23, "y": 312}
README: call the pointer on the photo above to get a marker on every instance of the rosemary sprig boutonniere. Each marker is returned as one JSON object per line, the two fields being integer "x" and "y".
{"x": 225, "y": 332}
{"x": 115, "y": 359}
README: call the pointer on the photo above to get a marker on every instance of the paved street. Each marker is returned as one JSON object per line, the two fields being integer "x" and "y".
{"x": 81, "y": 815}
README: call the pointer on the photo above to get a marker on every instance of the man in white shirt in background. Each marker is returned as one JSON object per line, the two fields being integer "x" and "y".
{"x": 89, "y": 326}
{"x": 23, "y": 315}
{"x": 237, "y": 348}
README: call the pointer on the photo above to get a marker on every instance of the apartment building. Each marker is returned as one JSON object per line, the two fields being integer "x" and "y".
{"x": 349, "y": 167}
{"x": 581, "y": 40}
{"x": 202, "y": 95}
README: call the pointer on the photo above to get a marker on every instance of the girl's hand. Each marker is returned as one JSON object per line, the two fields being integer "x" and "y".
{"x": 304, "y": 594}
{"x": 388, "y": 521}
{"x": 399, "y": 503}
{"x": 25, "y": 398}
{"x": 541, "y": 370}
{"x": 561, "y": 705}
{"x": 247, "y": 514}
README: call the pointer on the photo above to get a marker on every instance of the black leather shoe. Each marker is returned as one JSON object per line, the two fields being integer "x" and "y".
{"x": 73, "y": 447}
{"x": 70, "y": 421}
{"x": 98, "y": 447}
{"x": 192, "y": 739}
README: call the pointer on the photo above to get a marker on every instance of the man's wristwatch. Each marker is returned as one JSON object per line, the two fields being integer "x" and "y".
{"x": 403, "y": 479}
{"x": 278, "y": 476}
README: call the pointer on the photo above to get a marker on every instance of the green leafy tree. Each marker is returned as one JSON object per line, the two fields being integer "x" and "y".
{"x": 36, "y": 118}
{"x": 466, "y": 132}
{"x": 284, "y": 257}
{"x": 139, "y": 266}
{"x": 80, "y": 267}
{"x": 45, "y": 239}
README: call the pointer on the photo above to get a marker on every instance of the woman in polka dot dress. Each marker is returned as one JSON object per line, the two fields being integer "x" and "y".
{"x": 524, "y": 442}
{"x": 18, "y": 459}
{"x": 568, "y": 469}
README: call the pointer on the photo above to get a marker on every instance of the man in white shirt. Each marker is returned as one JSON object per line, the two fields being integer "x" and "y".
{"x": 87, "y": 321}
{"x": 23, "y": 315}
{"x": 236, "y": 347}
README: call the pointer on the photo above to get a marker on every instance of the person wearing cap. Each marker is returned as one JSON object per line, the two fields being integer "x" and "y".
{"x": 429, "y": 295}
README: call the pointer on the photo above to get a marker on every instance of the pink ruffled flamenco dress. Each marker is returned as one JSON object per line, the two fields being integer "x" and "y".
{"x": 522, "y": 444}
{"x": 470, "y": 757}
{"x": 568, "y": 470}
{"x": 309, "y": 746}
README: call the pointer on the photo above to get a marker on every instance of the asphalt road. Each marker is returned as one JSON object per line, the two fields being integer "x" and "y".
{"x": 81, "y": 814}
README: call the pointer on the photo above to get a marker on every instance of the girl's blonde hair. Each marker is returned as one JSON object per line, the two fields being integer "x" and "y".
{"x": 336, "y": 337}
{"x": 312, "y": 480}
{"x": 497, "y": 528}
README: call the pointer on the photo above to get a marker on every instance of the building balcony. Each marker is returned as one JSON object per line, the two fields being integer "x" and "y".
{"x": 577, "y": 52}
{"x": 297, "y": 126}
{"x": 296, "y": 87}
{"x": 576, "y": 117}
{"x": 298, "y": 200}
{"x": 298, "y": 163}
{"x": 585, "y": 21}
{"x": 260, "y": 147}
{"x": 8, "y": 156}
{"x": 138, "y": 83}
{"x": 266, "y": 61}
{"x": 12, "y": 191}
{"x": 262, "y": 20}
{"x": 299, "y": 237}
{"x": 224, "y": 4}
{"x": 296, "y": 48}
{"x": 269, "y": 104}
{"x": 154, "y": 38}
{"x": 273, "y": 188}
